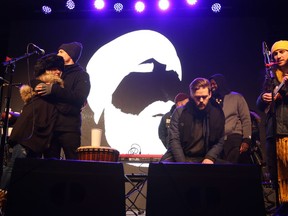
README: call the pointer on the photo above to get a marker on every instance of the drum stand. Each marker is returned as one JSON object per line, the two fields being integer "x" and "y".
{"x": 137, "y": 181}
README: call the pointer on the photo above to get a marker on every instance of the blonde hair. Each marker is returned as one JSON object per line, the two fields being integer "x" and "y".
{"x": 199, "y": 83}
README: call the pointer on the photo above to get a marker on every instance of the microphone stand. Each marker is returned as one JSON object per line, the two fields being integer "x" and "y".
{"x": 273, "y": 141}
{"x": 11, "y": 64}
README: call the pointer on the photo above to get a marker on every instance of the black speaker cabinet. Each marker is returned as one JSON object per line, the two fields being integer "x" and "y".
{"x": 66, "y": 188}
{"x": 204, "y": 190}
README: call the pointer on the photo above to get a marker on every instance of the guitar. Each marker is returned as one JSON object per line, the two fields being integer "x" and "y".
{"x": 275, "y": 92}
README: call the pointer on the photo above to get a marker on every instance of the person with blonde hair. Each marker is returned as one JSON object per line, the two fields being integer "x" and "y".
{"x": 196, "y": 132}
{"x": 32, "y": 132}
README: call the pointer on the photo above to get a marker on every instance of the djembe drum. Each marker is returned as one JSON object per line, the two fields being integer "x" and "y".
{"x": 98, "y": 153}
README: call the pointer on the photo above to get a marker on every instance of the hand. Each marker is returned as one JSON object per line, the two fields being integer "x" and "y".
{"x": 285, "y": 78}
{"x": 207, "y": 161}
{"x": 244, "y": 147}
{"x": 43, "y": 89}
{"x": 267, "y": 97}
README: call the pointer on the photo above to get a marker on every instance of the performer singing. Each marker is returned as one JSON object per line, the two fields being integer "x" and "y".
{"x": 279, "y": 52}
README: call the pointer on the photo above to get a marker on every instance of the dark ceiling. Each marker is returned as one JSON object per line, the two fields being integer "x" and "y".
{"x": 19, "y": 9}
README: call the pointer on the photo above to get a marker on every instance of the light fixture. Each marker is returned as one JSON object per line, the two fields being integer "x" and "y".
{"x": 118, "y": 7}
{"x": 139, "y": 6}
{"x": 46, "y": 9}
{"x": 191, "y": 2}
{"x": 70, "y": 4}
{"x": 99, "y": 4}
{"x": 163, "y": 4}
{"x": 216, "y": 7}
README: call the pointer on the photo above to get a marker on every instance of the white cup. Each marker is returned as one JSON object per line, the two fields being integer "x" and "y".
{"x": 96, "y": 134}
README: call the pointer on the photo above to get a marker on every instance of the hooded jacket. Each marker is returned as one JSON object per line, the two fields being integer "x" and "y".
{"x": 33, "y": 128}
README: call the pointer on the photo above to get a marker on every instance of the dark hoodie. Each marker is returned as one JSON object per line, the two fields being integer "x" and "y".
{"x": 222, "y": 89}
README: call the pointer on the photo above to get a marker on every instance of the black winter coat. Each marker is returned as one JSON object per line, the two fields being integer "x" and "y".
{"x": 71, "y": 99}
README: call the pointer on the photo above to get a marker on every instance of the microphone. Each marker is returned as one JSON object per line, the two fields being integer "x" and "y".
{"x": 267, "y": 61}
{"x": 266, "y": 53}
{"x": 38, "y": 49}
{"x": 271, "y": 64}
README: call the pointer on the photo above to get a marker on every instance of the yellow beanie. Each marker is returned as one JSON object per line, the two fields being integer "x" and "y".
{"x": 282, "y": 44}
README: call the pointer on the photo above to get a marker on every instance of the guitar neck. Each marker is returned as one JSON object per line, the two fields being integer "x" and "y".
{"x": 276, "y": 90}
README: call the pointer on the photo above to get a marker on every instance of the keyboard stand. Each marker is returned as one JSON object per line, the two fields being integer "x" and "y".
{"x": 137, "y": 181}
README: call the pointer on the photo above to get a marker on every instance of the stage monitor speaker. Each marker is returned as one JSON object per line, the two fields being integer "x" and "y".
{"x": 66, "y": 188}
{"x": 204, "y": 190}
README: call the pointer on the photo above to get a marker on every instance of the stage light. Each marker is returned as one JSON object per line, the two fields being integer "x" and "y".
{"x": 118, "y": 7}
{"x": 46, "y": 9}
{"x": 99, "y": 4}
{"x": 70, "y": 4}
{"x": 139, "y": 6}
{"x": 163, "y": 4}
{"x": 191, "y": 2}
{"x": 216, "y": 7}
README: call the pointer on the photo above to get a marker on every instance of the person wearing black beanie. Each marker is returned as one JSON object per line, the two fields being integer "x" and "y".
{"x": 70, "y": 101}
{"x": 238, "y": 128}
{"x": 73, "y": 50}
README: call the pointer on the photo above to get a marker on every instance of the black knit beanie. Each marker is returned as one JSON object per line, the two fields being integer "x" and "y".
{"x": 74, "y": 50}
{"x": 48, "y": 62}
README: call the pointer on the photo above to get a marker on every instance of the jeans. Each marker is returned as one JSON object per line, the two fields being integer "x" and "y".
{"x": 18, "y": 152}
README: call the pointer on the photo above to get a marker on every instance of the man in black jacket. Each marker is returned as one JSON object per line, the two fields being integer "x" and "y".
{"x": 196, "y": 131}
{"x": 70, "y": 101}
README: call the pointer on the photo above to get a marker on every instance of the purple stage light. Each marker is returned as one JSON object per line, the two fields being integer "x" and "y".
{"x": 191, "y": 2}
{"x": 118, "y": 7}
{"x": 216, "y": 7}
{"x": 99, "y": 4}
{"x": 70, "y": 4}
{"x": 46, "y": 9}
{"x": 139, "y": 6}
{"x": 163, "y": 4}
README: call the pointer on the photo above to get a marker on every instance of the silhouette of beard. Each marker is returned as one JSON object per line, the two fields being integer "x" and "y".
{"x": 131, "y": 88}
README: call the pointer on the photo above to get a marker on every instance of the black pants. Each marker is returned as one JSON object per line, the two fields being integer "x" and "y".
{"x": 231, "y": 150}
{"x": 69, "y": 141}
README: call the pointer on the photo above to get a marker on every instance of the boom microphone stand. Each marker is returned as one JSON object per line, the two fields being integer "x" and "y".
{"x": 10, "y": 68}
{"x": 271, "y": 75}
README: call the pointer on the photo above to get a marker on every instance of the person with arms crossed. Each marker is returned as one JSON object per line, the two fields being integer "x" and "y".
{"x": 196, "y": 131}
